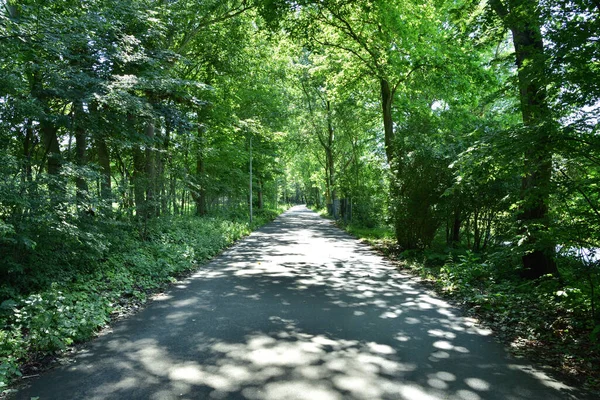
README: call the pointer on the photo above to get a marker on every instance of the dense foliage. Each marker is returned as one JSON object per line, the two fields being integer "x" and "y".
{"x": 462, "y": 125}
{"x": 67, "y": 306}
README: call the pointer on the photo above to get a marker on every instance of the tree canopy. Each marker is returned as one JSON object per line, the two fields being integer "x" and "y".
{"x": 459, "y": 124}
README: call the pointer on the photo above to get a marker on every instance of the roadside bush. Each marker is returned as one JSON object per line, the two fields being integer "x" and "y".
{"x": 417, "y": 197}
{"x": 80, "y": 301}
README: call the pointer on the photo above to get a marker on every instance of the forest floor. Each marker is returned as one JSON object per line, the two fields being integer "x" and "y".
{"x": 299, "y": 309}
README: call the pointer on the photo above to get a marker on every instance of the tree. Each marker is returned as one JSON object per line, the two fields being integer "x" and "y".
{"x": 523, "y": 19}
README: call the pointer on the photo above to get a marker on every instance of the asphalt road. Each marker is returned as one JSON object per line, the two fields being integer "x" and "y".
{"x": 298, "y": 310}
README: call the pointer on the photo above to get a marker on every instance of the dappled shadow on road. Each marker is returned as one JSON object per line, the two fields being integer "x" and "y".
{"x": 299, "y": 310}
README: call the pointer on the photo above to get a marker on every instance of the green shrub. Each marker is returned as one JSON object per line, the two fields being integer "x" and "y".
{"x": 122, "y": 269}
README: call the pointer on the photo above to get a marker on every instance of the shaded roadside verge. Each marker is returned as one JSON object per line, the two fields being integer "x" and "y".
{"x": 539, "y": 320}
{"x": 298, "y": 310}
{"x": 39, "y": 328}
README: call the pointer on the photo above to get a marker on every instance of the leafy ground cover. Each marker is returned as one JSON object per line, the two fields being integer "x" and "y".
{"x": 549, "y": 320}
{"x": 37, "y": 326}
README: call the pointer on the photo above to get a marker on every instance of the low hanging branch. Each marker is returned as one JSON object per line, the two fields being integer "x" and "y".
{"x": 585, "y": 196}
{"x": 229, "y": 14}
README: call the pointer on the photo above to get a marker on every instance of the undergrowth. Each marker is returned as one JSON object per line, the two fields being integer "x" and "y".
{"x": 76, "y": 302}
{"x": 549, "y": 320}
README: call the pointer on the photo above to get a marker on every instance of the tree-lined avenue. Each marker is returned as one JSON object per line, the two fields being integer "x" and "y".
{"x": 297, "y": 310}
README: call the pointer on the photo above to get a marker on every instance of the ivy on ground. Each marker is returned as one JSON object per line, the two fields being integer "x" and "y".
{"x": 39, "y": 325}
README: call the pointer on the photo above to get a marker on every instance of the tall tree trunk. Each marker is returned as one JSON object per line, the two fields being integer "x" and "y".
{"x": 80, "y": 152}
{"x": 457, "y": 220}
{"x": 150, "y": 169}
{"x": 476, "y": 230}
{"x": 57, "y": 188}
{"x": 139, "y": 184}
{"x": 333, "y": 192}
{"x": 260, "y": 195}
{"x": 328, "y": 199}
{"x": 330, "y": 161}
{"x": 183, "y": 193}
{"x": 27, "y": 150}
{"x": 52, "y": 147}
{"x": 522, "y": 18}
{"x": 200, "y": 192}
{"x": 387, "y": 97}
{"x": 104, "y": 161}
{"x": 49, "y": 136}
{"x": 139, "y": 177}
{"x": 161, "y": 162}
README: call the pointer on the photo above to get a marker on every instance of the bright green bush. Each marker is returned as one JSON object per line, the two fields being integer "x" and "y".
{"x": 79, "y": 301}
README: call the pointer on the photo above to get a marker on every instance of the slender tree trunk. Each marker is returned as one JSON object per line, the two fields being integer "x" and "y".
{"x": 200, "y": 192}
{"x": 328, "y": 199}
{"x": 175, "y": 205}
{"x": 476, "y": 230}
{"x": 139, "y": 187}
{"x": 183, "y": 202}
{"x": 173, "y": 186}
{"x": 104, "y": 161}
{"x": 522, "y": 18}
{"x": 260, "y": 195}
{"x": 456, "y": 227}
{"x": 468, "y": 232}
{"x": 27, "y": 150}
{"x": 333, "y": 192}
{"x": 387, "y": 97}
{"x": 139, "y": 179}
{"x": 150, "y": 169}
{"x": 330, "y": 161}
{"x": 161, "y": 161}
{"x": 80, "y": 152}
{"x": 172, "y": 198}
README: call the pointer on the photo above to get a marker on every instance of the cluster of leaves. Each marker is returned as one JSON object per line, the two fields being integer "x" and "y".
{"x": 72, "y": 308}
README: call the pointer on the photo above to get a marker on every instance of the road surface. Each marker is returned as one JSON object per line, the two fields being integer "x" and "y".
{"x": 297, "y": 310}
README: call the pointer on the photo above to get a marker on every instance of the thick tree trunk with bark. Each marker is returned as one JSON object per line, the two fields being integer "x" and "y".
{"x": 521, "y": 17}
{"x": 52, "y": 147}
